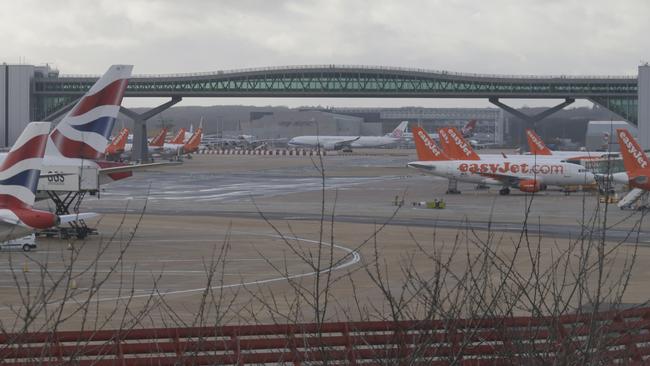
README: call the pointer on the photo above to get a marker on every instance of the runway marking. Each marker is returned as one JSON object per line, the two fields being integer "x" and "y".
{"x": 353, "y": 257}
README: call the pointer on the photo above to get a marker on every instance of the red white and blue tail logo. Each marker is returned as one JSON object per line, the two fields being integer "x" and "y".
{"x": 85, "y": 131}
{"x": 21, "y": 168}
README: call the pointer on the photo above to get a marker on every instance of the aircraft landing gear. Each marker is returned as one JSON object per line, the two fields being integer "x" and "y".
{"x": 504, "y": 191}
{"x": 452, "y": 188}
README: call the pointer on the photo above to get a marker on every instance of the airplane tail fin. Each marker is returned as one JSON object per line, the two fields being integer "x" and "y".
{"x": 536, "y": 144}
{"x": 634, "y": 159}
{"x": 85, "y": 131}
{"x": 21, "y": 168}
{"x": 179, "y": 138}
{"x": 468, "y": 129}
{"x": 455, "y": 146}
{"x": 159, "y": 140}
{"x": 400, "y": 131}
{"x": 119, "y": 142}
{"x": 426, "y": 148}
{"x": 193, "y": 143}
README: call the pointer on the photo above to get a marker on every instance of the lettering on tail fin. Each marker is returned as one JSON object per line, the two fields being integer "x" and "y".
{"x": 426, "y": 148}
{"x": 159, "y": 140}
{"x": 633, "y": 156}
{"x": 461, "y": 146}
{"x": 536, "y": 144}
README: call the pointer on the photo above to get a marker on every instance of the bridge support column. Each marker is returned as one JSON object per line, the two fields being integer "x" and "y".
{"x": 140, "y": 150}
{"x": 644, "y": 106}
{"x": 531, "y": 121}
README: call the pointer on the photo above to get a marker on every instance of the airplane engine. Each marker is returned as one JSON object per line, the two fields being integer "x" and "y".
{"x": 36, "y": 219}
{"x": 331, "y": 146}
{"x": 531, "y": 186}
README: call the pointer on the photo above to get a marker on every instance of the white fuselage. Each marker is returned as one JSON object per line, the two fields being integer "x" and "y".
{"x": 497, "y": 171}
{"x": 337, "y": 142}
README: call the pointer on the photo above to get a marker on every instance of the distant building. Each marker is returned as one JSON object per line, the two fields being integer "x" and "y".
{"x": 291, "y": 123}
{"x": 490, "y": 127}
{"x": 600, "y": 134}
{"x": 16, "y": 105}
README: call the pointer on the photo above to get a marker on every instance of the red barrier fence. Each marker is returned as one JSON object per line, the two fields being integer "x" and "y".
{"x": 605, "y": 338}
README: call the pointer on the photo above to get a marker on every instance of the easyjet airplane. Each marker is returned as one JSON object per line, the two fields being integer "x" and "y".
{"x": 538, "y": 147}
{"x": 118, "y": 145}
{"x": 636, "y": 162}
{"x": 525, "y": 173}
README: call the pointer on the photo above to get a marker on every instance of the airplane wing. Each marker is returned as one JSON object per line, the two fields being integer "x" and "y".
{"x": 76, "y": 217}
{"x": 130, "y": 168}
{"x": 507, "y": 180}
{"x": 345, "y": 143}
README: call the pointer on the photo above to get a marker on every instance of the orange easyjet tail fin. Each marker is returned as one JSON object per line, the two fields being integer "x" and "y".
{"x": 119, "y": 142}
{"x": 536, "y": 144}
{"x": 159, "y": 140}
{"x": 179, "y": 138}
{"x": 426, "y": 148}
{"x": 635, "y": 160}
{"x": 455, "y": 145}
{"x": 193, "y": 143}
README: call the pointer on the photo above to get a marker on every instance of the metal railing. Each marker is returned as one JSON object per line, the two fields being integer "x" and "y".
{"x": 613, "y": 337}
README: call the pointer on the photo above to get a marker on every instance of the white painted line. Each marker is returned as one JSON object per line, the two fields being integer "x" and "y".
{"x": 354, "y": 258}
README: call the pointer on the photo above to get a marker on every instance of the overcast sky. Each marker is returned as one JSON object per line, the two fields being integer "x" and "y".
{"x": 164, "y": 37}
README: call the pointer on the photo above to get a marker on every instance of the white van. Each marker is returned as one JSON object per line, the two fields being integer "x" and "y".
{"x": 26, "y": 243}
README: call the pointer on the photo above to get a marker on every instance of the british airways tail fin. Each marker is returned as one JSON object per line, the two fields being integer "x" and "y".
{"x": 21, "y": 168}
{"x": 85, "y": 131}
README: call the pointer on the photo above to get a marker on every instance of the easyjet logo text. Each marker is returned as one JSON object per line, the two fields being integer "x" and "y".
{"x": 428, "y": 143}
{"x": 535, "y": 140}
{"x": 460, "y": 143}
{"x": 507, "y": 167}
{"x": 636, "y": 154}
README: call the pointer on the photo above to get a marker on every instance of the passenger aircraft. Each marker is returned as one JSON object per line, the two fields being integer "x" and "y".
{"x": 466, "y": 131}
{"x": 523, "y": 172}
{"x": 19, "y": 174}
{"x": 81, "y": 138}
{"x": 118, "y": 146}
{"x": 637, "y": 164}
{"x": 154, "y": 145}
{"x": 538, "y": 147}
{"x": 178, "y": 145}
{"x": 343, "y": 142}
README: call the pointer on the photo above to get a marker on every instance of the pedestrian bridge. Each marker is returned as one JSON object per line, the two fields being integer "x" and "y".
{"x": 616, "y": 93}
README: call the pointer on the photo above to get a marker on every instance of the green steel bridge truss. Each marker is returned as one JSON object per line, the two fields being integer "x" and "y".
{"x": 618, "y": 94}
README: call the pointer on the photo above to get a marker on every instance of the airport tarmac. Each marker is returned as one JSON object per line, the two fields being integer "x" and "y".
{"x": 194, "y": 210}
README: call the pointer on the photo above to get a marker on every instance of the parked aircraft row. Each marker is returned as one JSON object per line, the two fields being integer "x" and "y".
{"x": 77, "y": 144}
{"x": 458, "y": 161}
{"x": 120, "y": 147}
